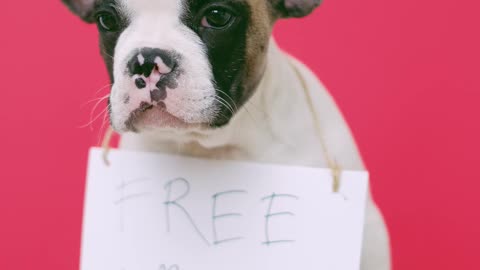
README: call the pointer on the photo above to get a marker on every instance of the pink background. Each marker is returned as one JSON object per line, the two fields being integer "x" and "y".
{"x": 405, "y": 73}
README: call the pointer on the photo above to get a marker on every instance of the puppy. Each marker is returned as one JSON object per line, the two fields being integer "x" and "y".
{"x": 204, "y": 78}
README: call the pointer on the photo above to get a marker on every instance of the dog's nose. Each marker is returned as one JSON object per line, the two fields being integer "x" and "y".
{"x": 148, "y": 60}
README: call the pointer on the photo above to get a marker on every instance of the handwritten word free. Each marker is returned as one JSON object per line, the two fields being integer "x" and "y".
{"x": 177, "y": 191}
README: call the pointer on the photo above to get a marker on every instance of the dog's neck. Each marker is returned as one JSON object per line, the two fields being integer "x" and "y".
{"x": 275, "y": 125}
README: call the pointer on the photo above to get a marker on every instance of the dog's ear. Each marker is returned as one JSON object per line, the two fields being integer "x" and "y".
{"x": 294, "y": 8}
{"x": 83, "y": 8}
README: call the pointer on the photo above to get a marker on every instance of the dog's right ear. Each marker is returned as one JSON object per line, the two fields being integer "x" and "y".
{"x": 294, "y": 8}
{"x": 83, "y": 8}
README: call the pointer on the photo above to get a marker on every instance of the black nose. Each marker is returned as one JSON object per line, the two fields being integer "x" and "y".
{"x": 146, "y": 60}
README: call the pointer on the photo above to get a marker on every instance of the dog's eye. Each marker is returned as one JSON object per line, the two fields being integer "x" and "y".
{"x": 107, "y": 22}
{"x": 217, "y": 18}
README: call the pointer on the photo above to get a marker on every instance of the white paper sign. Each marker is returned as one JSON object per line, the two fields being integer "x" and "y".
{"x": 158, "y": 212}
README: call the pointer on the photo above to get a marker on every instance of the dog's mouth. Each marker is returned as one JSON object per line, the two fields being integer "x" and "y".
{"x": 144, "y": 107}
{"x": 151, "y": 115}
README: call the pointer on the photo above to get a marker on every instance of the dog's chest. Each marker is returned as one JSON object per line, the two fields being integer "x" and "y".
{"x": 273, "y": 152}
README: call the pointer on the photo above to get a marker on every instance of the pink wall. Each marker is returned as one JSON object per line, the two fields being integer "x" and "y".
{"x": 406, "y": 74}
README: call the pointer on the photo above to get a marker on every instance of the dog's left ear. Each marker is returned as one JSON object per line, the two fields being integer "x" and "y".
{"x": 83, "y": 8}
{"x": 294, "y": 8}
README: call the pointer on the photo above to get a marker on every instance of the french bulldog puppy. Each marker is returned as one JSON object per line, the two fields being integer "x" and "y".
{"x": 204, "y": 78}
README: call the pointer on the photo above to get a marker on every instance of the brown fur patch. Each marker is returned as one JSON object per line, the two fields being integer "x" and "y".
{"x": 258, "y": 36}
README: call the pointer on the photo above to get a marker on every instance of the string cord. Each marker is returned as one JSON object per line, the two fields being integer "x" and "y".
{"x": 107, "y": 138}
{"x": 331, "y": 162}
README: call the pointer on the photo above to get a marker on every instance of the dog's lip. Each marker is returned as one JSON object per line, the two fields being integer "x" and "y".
{"x": 152, "y": 115}
{"x": 145, "y": 107}
{"x": 135, "y": 114}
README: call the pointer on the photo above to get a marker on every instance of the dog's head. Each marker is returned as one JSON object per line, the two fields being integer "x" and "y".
{"x": 183, "y": 63}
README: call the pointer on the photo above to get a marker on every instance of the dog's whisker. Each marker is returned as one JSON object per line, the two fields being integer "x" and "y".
{"x": 103, "y": 87}
{"x": 225, "y": 104}
{"x": 104, "y": 51}
{"x": 96, "y": 106}
{"x": 94, "y": 119}
{"x": 232, "y": 109}
{"x": 95, "y": 100}
{"x": 228, "y": 96}
{"x": 220, "y": 113}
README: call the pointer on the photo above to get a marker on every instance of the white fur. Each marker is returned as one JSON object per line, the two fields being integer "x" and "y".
{"x": 141, "y": 59}
{"x": 156, "y": 24}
